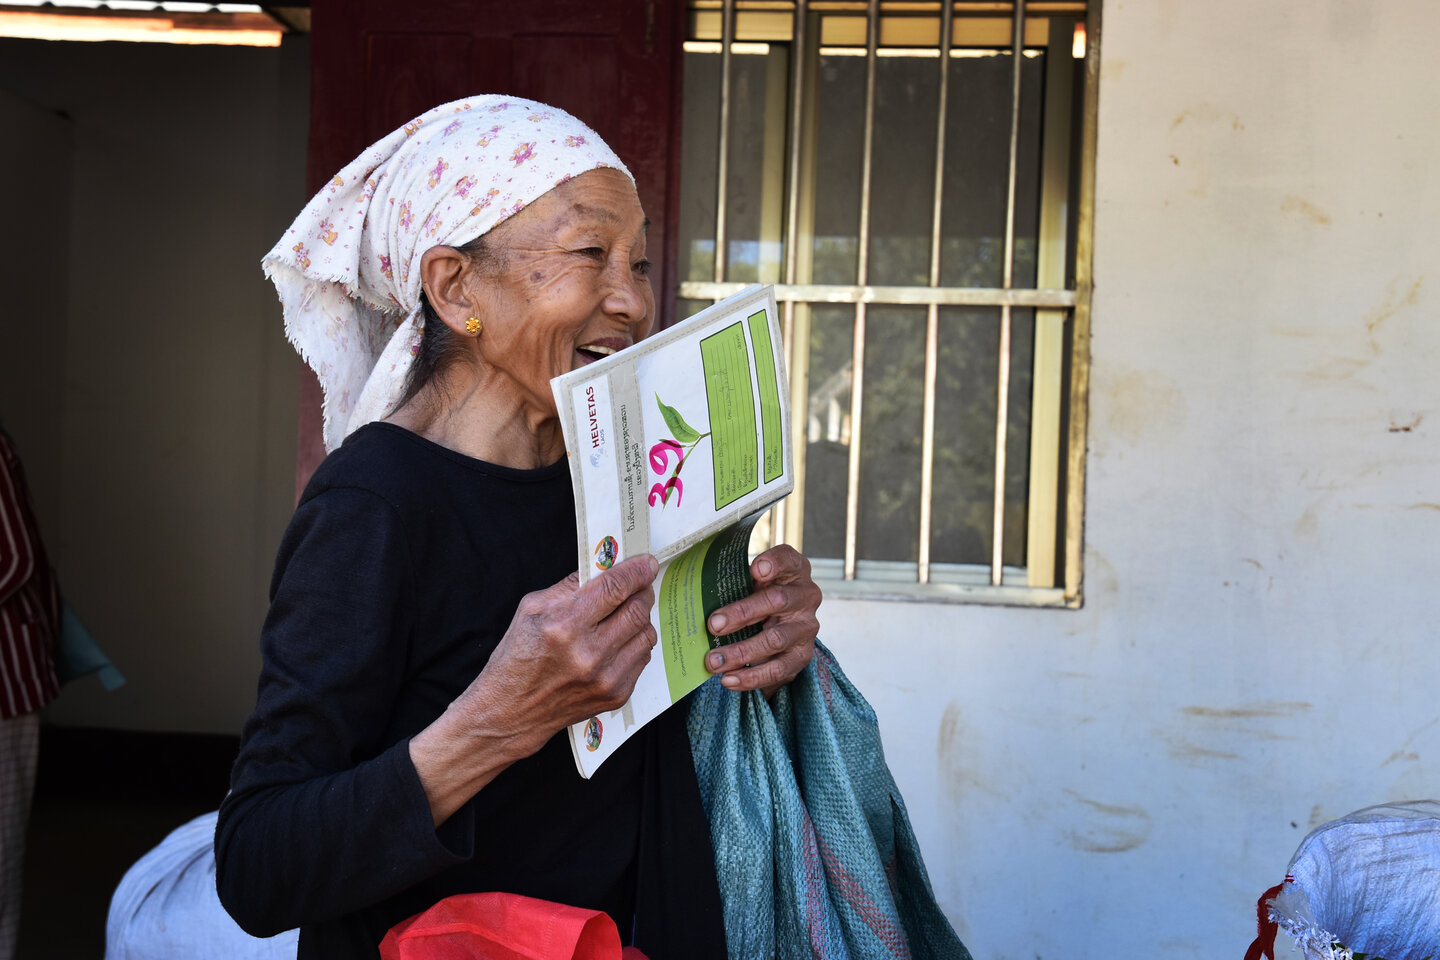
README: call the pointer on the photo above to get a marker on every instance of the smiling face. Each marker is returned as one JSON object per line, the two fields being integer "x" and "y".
{"x": 566, "y": 282}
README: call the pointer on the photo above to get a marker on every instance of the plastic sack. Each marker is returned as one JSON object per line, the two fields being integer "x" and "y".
{"x": 813, "y": 848}
{"x": 1366, "y": 884}
{"x": 505, "y": 926}
{"x": 166, "y": 908}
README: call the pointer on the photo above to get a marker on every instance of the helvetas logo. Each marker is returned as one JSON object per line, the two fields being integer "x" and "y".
{"x": 597, "y": 435}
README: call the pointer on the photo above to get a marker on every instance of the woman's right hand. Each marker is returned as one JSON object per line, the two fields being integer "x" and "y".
{"x": 571, "y": 652}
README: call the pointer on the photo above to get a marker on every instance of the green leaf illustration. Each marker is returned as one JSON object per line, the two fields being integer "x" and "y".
{"x": 684, "y": 433}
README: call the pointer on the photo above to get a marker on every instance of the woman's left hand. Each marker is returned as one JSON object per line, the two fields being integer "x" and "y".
{"x": 784, "y": 603}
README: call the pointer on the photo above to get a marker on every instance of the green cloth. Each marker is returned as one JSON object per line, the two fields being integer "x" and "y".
{"x": 77, "y": 654}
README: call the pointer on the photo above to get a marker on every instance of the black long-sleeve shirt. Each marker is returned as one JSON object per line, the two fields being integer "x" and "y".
{"x": 399, "y": 574}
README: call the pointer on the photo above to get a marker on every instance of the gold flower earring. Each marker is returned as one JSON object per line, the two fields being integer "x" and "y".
{"x": 473, "y": 326}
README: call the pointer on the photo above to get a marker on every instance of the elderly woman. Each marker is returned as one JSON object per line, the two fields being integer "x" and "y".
{"x": 427, "y": 642}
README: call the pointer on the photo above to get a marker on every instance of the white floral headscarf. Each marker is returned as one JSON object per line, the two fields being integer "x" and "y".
{"x": 348, "y": 269}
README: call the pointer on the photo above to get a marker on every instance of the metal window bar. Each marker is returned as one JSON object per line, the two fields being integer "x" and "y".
{"x": 727, "y": 39}
{"x": 853, "y": 293}
{"x": 793, "y": 346}
{"x": 932, "y": 315}
{"x": 1002, "y": 407}
{"x": 862, "y": 276}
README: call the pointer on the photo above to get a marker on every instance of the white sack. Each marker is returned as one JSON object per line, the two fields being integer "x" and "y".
{"x": 1370, "y": 881}
{"x": 166, "y": 907}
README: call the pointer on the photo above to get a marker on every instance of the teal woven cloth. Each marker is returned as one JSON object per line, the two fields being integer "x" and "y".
{"x": 813, "y": 848}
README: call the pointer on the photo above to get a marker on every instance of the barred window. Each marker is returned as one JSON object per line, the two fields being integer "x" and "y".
{"x": 915, "y": 179}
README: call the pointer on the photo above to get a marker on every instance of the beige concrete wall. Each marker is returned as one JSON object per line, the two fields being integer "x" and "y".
{"x": 34, "y": 272}
{"x": 1258, "y": 649}
{"x": 176, "y": 417}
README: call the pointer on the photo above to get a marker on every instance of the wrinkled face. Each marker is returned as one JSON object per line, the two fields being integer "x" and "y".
{"x": 566, "y": 283}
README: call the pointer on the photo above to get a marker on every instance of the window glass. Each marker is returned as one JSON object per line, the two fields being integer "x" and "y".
{"x": 890, "y": 441}
{"x": 963, "y": 505}
{"x": 977, "y": 163}
{"x": 827, "y": 429}
{"x": 754, "y": 198}
{"x": 699, "y": 157}
{"x": 902, "y": 182}
{"x": 840, "y": 141}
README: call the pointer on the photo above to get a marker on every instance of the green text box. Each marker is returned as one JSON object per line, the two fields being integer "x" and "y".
{"x": 734, "y": 446}
{"x": 771, "y": 437}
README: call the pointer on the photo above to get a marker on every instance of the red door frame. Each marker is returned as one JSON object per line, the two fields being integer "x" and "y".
{"x": 616, "y": 64}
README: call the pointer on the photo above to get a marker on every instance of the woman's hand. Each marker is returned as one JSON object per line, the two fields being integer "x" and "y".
{"x": 571, "y": 652}
{"x": 784, "y": 601}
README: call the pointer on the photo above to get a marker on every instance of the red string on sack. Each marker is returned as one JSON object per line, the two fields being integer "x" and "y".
{"x": 1266, "y": 929}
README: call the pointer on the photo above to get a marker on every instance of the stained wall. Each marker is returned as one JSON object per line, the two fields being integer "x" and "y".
{"x": 1257, "y": 650}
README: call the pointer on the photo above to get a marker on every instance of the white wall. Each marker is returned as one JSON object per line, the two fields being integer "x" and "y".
{"x": 1258, "y": 648}
{"x": 176, "y": 405}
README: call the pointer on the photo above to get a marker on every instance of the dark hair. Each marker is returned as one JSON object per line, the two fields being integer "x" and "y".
{"x": 440, "y": 347}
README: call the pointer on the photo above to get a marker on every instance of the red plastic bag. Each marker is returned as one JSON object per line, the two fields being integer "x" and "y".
{"x": 505, "y": 926}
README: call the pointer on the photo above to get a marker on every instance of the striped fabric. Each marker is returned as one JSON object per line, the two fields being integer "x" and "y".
{"x": 29, "y": 598}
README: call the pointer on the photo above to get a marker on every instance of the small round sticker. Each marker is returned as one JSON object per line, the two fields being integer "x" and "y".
{"x": 592, "y": 734}
{"x": 605, "y": 553}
